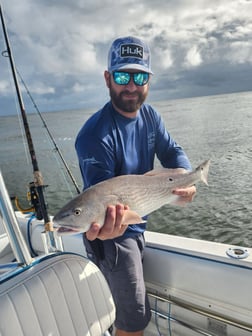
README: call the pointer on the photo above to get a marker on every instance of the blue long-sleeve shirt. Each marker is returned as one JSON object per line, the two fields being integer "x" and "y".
{"x": 110, "y": 144}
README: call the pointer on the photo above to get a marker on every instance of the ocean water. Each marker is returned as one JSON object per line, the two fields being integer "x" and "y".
{"x": 214, "y": 127}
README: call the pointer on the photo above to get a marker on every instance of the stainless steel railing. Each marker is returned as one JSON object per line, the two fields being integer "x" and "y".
{"x": 190, "y": 307}
{"x": 13, "y": 231}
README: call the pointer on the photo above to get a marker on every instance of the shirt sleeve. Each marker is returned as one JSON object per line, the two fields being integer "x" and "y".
{"x": 96, "y": 160}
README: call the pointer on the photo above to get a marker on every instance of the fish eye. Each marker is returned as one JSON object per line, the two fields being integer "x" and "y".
{"x": 170, "y": 179}
{"x": 77, "y": 211}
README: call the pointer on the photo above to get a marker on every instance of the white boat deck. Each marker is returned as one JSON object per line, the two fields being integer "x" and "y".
{"x": 194, "y": 286}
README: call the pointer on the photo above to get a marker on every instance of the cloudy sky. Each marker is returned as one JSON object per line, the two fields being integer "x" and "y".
{"x": 199, "y": 47}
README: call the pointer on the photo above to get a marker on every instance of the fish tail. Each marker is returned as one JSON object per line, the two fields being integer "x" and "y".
{"x": 204, "y": 168}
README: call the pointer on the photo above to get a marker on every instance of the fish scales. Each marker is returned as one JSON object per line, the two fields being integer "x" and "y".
{"x": 140, "y": 192}
{"x": 150, "y": 192}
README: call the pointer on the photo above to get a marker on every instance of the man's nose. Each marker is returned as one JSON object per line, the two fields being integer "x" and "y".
{"x": 131, "y": 86}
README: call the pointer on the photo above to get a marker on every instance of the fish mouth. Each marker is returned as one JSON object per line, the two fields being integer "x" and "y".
{"x": 66, "y": 230}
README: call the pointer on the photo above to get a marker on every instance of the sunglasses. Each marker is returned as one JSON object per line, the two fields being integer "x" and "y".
{"x": 123, "y": 78}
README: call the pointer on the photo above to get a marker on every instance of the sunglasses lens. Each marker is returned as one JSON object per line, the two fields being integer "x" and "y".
{"x": 141, "y": 78}
{"x": 121, "y": 78}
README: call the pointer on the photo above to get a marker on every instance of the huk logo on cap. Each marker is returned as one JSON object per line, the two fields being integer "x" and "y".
{"x": 131, "y": 50}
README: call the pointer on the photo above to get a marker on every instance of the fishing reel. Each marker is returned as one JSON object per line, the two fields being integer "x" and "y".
{"x": 33, "y": 198}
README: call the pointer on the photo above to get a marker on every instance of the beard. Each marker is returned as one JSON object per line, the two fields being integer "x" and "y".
{"x": 126, "y": 104}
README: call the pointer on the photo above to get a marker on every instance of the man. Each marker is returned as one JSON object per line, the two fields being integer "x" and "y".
{"x": 123, "y": 138}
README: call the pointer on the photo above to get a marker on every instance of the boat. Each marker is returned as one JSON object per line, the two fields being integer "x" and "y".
{"x": 49, "y": 287}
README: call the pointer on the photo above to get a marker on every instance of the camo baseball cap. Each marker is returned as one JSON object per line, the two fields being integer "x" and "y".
{"x": 129, "y": 53}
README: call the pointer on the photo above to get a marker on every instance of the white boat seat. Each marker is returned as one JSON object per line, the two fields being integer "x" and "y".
{"x": 63, "y": 294}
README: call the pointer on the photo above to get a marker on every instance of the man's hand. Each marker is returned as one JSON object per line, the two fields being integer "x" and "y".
{"x": 186, "y": 195}
{"x": 112, "y": 227}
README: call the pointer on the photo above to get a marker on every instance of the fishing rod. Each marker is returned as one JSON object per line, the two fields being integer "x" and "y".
{"x": 38, "y": 178}
{"x": 50, "y": 135}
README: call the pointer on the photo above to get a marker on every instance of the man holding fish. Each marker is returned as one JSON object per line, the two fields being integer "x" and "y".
{"x": 123, "y": 138}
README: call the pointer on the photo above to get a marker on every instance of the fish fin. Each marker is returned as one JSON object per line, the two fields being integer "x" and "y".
{"x": 165, "y": 171}
{"x": 178, "y": 200}
{"x": 154, "y": 172}
{"x": 204, "y": 167}
{"x": 131, "y": 217}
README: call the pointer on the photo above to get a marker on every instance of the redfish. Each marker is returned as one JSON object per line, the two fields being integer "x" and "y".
{"x": 143, "y": 194}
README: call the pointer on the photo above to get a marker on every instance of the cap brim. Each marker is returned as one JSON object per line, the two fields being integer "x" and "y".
{"x": 129, "y": 66}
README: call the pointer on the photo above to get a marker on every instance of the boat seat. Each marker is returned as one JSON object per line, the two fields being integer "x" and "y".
{"x": 59, "y": 295}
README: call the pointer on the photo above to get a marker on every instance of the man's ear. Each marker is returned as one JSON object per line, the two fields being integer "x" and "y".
{"x": 107, "y": 78}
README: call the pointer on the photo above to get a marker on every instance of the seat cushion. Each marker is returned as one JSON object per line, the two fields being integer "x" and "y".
{"x": 63, "y": 294}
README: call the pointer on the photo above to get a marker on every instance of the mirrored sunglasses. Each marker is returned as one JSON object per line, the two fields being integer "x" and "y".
{"x": 123, "y": 78}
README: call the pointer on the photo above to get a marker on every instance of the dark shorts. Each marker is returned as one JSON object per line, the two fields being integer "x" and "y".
{"x": 120, "y": 260}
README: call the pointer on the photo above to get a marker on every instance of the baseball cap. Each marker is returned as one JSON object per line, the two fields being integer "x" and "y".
{"x": 129, "y": 53}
